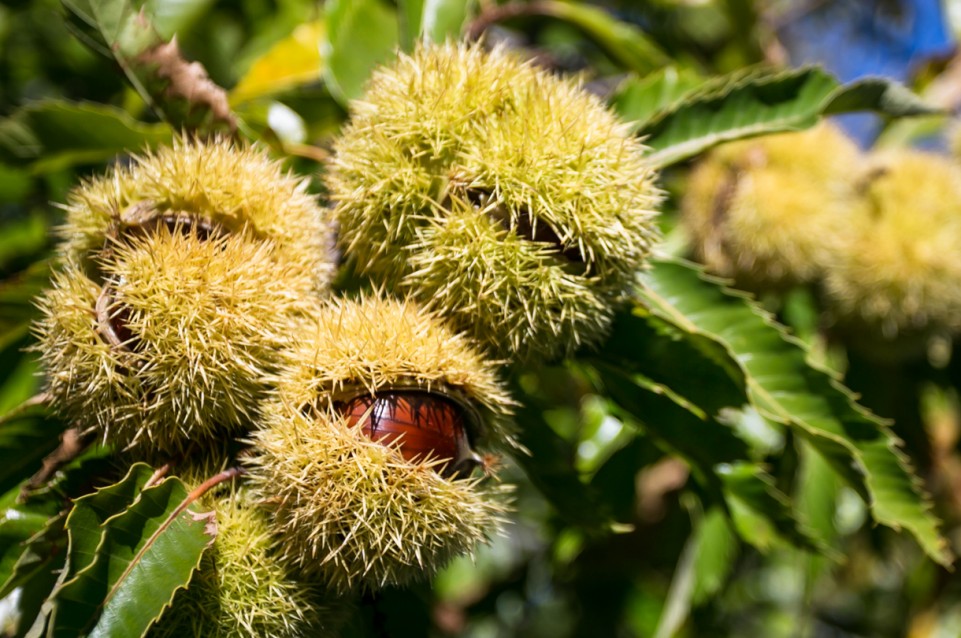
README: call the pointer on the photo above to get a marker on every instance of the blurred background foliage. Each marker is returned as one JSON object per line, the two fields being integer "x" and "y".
{"x": 619, "y": 530}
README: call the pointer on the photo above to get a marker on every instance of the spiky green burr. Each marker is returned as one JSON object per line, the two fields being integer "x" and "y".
{"x": 899, "y": 275}
{"x": 242, "y": 589}
{"x": 509, "y": 200}
{"x": 175, "y": 344}
{"x": 219, "y": 184}
{"x": 353, "y": 512}
{"x": 770, "y": 212}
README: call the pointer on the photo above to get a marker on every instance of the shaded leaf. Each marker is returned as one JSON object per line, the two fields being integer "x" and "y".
{"x": 763, "y": 516}
{"x": 27, "y": 434}
{"x": 19, "y": 371}
{"x": 786, "y": 389}
{"x": 361, "y": 35}
{"x": 24, "y": 237}
{"x": 550, "y": 467}
{"x": 130, "y": 550}
{"x": 17, "y": 301}
{"x": 170, "y": 17}
{"x": 41, "y": 553}
{"x": 18, "y": 524}
{"x": 817, "y": 492}
{"x": 666, "y": 416}
{"x": 717, "y": 457}
{"x": 692, "y": 366}
{"x": 115, "y": 28}
{"x": 702, "y": 568}
{"x": 716, "y": 549}
{"x": 15, "y": 185}
{"x": 758, "y": 102}
{"x": 616, "y": 478}
{"x": 53, "y": 134}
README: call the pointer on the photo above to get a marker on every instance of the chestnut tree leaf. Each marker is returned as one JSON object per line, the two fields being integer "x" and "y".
{"x": 293, "y": 61}
{"x": 361, "y": 34}
{"x": 787, "y": 389}
{"x": 702, "y": 569}
{"x": 180, "y": 92}
{"x": 28, "y": 433}
{"x": 754, "y": 102}
{"x": 40, "y": 558}
{"x": 718, "y": 459}
{"x": 131, "y": 548}
{"x": 432, "y": 20}
{"x": 53, "y": 134}
{"x": 623, "y": 42}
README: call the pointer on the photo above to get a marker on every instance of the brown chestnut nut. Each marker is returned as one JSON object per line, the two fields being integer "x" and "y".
{"x": 419, "y": 424}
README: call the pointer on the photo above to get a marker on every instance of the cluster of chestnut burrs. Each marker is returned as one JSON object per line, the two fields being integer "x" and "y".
{"x": 500, "y": 214}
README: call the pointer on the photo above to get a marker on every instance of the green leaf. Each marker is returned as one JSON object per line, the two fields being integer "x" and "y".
{"x": 41, "y": 553}
{"x": 702, "y": 569}
{"x": 24, "y": 236}
{"x": 640, "y": 97}
{"x": 681, "y": 426}
{"x": 170, "y": 17}
{"x": 716, "y": 548}
{"x": 19, "y": 371}
{"x": 15, "y": 183}
{"x": 64, "y": 134}
{"x": 115, "y": 28}
{"x": 550, "y": 467}
{"x": 786, "y": 389}
{"x": 817, "y": 492}
{"x": 17, "y": 300}
{"x": 27, "y": 434}
{"x": 32, "y": 537}
{"x": 758, "y": 102}
{"x": 616, "y": 478}
{"x": 625, "y": 43}
{"x": 361, "y": 35}
{"x": 294, "y": 61}
{"x": 717, "y": 457}
{"x": 130, "y": 550}
{"x": 692, "y": 366}
{"x": 178, "y": 91}
{"x": 763, "y": 516}
{"x": 18, "y": 524}
{"x": 432, "y": 20}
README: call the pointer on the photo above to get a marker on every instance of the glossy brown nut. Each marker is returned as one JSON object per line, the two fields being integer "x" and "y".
{"x": 421, "y": 425}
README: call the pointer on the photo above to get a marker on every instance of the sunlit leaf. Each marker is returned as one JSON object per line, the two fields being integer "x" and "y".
{"x": 179, "y": 91}
{"x": 433, "y": 20}
{"x": 787, "y": 389}
{"x": 131, "y": 548}
{"x": 640, "y": 97}
{"x": 293, "y": 61}
{"x": 758, "y": 102}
